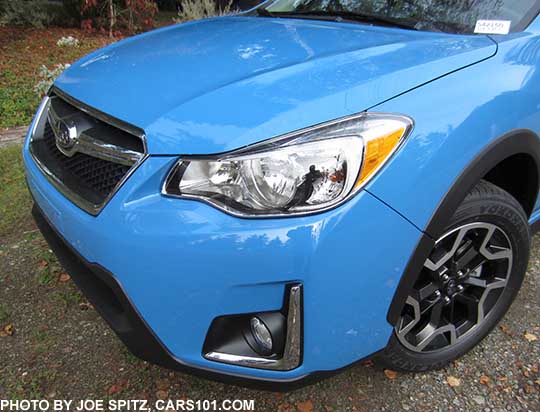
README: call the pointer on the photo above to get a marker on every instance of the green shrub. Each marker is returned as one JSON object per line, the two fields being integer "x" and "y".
{"x": 26, "y": 13}
{"x": 167, "y": 5}
{"x": 201, "y": 9}
{"x": 68, "y": 14}
{"x": 47, "y": 77}
{"x": 39, "y": 13}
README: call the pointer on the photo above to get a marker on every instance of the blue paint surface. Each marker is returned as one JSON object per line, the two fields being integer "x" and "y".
{"x": 220, "y": 84}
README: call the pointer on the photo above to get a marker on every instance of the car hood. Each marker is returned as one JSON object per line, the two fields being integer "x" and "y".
{"x": 218, "y": 84}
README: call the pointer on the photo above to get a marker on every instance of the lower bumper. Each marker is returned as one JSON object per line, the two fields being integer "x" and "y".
{"x": 105, "y": 293}
{"x": 107, "y": 296}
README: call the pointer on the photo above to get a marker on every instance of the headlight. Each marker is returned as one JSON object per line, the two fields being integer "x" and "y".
{"x": 300, "y": 173}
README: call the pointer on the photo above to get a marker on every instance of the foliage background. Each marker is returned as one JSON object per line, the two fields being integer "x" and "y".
{"x": 30, "y": 32}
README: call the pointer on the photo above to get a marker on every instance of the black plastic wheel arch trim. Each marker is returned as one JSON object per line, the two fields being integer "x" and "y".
{"x": 520, "y": 141}
{"x": 535, "y": 227}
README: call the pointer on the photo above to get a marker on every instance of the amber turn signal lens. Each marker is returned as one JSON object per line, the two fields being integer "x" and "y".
{"x": 377, "y": 151}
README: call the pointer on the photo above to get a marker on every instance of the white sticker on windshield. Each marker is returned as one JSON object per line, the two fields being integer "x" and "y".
{"x": 492, "y": 27}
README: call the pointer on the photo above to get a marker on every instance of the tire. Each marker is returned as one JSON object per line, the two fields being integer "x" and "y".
{"x": 486, "y": 211}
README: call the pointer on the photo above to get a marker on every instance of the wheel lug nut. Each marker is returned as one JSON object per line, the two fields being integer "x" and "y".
{"x": 444, "y": 278}
{"x": 460, "y": 288}
{"x": 438, "y": 293}
{"x": 447, "y": 300}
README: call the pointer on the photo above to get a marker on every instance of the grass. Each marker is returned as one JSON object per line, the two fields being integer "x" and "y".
{"x": 15, "y": 201}
{"x": 45, "y": 276}
{"x": 23, "y": 51}
{"x": 68, "y": 298}
{"x": 47, "y": 267}
{"x": 17, "y": 99}
{"x": 43, "y": 341}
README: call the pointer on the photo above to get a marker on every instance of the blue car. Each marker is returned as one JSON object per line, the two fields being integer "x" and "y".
{"x": 269, "y": 197}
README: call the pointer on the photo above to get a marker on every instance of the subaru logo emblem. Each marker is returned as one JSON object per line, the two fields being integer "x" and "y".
{"x": 66, "y": 136}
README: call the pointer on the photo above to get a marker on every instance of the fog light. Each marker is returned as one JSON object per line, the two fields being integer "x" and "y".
{"x": 262, "y": 336}
{"x": 264, "y": 340}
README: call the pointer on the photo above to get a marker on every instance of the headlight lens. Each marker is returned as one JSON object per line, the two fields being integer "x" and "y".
{"x": 299, "y": 173}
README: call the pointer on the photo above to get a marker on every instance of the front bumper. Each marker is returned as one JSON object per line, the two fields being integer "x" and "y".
{"x": 109, "y": 299}
{"x": 179, "y": 264}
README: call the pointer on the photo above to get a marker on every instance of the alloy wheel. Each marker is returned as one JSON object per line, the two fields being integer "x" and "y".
{"x": 459, "y": 286}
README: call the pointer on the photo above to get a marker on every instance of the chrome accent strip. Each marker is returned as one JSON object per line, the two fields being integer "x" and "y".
{"x": 38, "y": 117}
{"x": 93, "y": 209}
{"x": 104, "y": 117}
{"x": 98, "y": 148}
{"x": 83, "y": 143}
{"x": 292, "y": 354}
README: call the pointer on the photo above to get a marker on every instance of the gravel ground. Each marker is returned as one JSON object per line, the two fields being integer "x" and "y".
{"x": 59, "y": 348}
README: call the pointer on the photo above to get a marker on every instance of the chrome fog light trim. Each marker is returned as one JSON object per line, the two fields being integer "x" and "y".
{"x": 292, "y": 354}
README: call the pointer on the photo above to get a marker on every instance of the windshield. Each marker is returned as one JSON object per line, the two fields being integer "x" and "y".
{"x": 454, "y": 16}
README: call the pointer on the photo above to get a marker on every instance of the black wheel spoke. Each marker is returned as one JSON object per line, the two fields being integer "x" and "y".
{"x": 466, "y": 258}
{"x": 427, "y": 291}
{"x": 472, "y": 304}
{"x": 436, "y": 313}
{"x": 481, "y": 283}
{"x": 451, "y": 317}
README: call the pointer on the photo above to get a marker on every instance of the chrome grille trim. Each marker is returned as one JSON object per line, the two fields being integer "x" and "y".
{"x": 87, "y": 145}
{"x": 112, "y": 153}
{"x": 94, "y": 147}
{"x": 104, "y": 117}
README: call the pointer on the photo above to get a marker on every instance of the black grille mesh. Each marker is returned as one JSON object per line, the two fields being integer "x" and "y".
{"x": 101, "y": 176}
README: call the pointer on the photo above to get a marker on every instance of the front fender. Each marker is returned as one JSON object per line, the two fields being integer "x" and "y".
{"x": 466, "y": 123}
{"x": 488, "y": 111}
{"x": 516, "y": 142}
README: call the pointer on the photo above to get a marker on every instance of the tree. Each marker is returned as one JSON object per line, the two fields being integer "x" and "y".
{"x": 114, "y": 16}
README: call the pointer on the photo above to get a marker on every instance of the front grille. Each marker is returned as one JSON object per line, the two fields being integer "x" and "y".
{"x": 88, "y": 179}
{"x": 91, "y": 175}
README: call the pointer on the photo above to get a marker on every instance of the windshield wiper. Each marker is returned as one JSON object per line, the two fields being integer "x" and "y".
{"x": 338, "y": 15}
{"x": 261, "y": 11}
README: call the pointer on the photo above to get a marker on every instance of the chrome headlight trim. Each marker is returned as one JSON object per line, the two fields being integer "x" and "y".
{"x": 310, "y": 134}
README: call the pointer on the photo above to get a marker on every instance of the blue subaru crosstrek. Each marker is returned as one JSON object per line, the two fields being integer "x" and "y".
{"x": 273, "y": 196}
